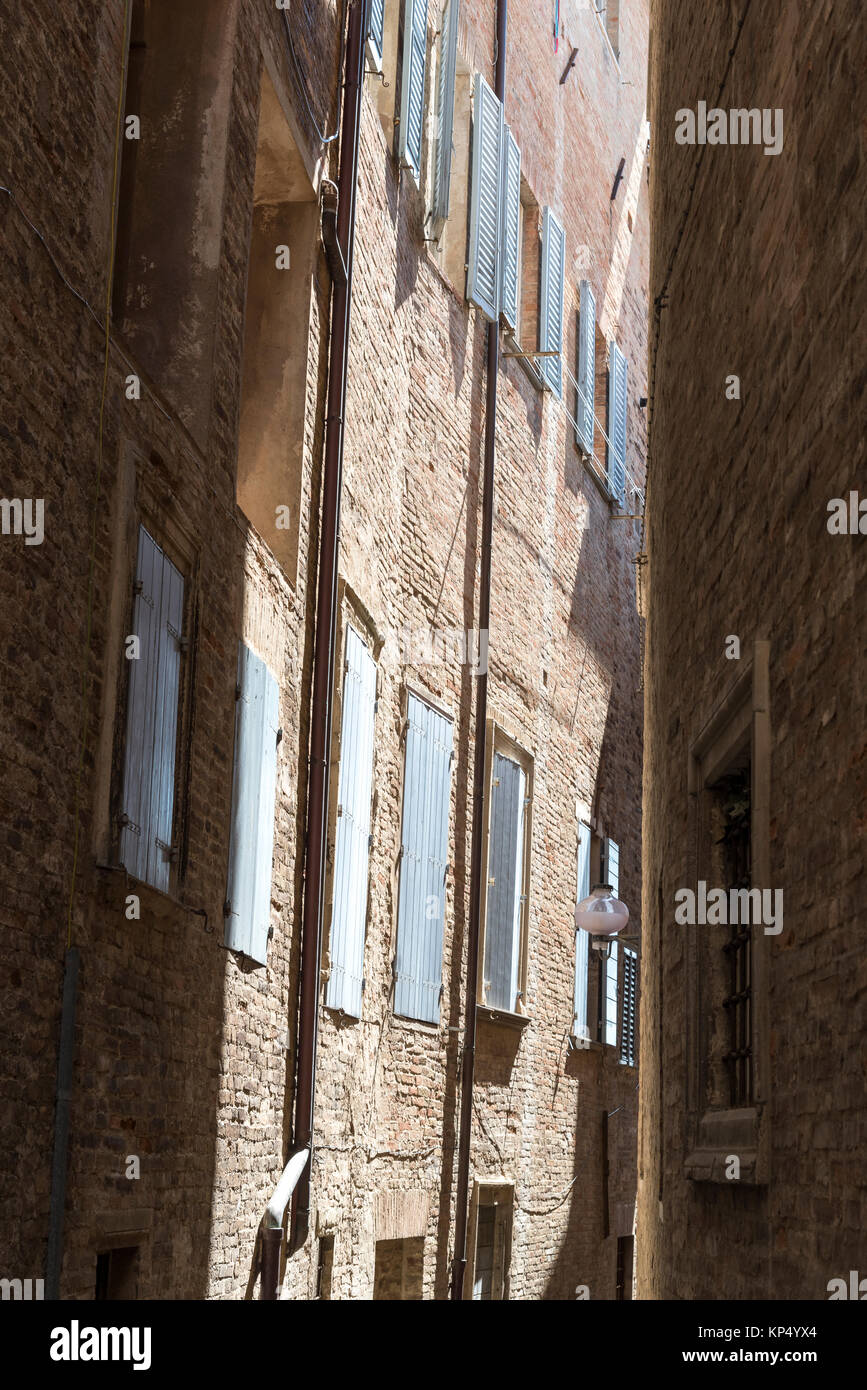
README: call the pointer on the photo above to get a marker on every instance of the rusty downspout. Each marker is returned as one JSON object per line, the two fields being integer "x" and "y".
{"x": 326, "y": 613}
{"x": 469, "y": 1052}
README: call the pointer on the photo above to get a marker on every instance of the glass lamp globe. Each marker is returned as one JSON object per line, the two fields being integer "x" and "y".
{"x": 602, "y": 914}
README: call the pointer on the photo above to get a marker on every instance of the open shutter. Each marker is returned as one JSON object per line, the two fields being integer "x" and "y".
{"x": 629, "y": 1007}
{"x": 616, "y": 455}
{"x": 612, "y": 876}
{"x": 582, "y": 938}
{"x": 511, "y": 229}
{"x": 352, "y": 847}
{"x": 483, "y": 271}
{"x": 424, "y": 854}
{"x": 551, "y": 309}
{"x": 376, "y": 33}
{"x": 586, "y": 370}
{"x": 504, "y": 904}
{"x": 412, "y": 85}
{"x": 152, "y": 717}
{"x": 448, "y": 54}
{"x": 251, "y": 846}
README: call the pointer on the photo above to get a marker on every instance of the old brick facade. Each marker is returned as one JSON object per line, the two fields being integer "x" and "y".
{"x": 206, "y": 423}
{"x": 756, "y": 274}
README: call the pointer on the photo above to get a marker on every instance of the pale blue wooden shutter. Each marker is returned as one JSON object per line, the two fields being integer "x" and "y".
{"x": 376, "y": 33}
{"x": 582, "y": 938}
{"x": 352, "y": 847}
{"x": 586, "y": 369}
{"x": 448, "y": 56}
{"x": 483, "y": 270}
{"x": 628, "y": 1007}
{"x": 152, "y": 717}
{"x": 612, "y": 876}
{"x": 511, "y": 229}
{"x": 424, "y": 854}
{"x": 551, "y": 306}
{"x": 505, "y": 901}
{"x": 251, "y": 845}
{"x": 411, "y": 127}
{"x": 616, "y": 454}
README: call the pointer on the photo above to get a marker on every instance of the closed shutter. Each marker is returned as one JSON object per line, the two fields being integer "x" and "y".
{"x": 551, "y": 309}
{"x": 483, "y": 271}
{"x": 616, "y": 456}
{"x": 586, "y": 369}
{"x": 376, "y": 33}
{"x": 582, "y": 938}
{"x": 424, "y": 854}
{"x": 505, "y": 902}
{"x": 628, "y": 1007}
{"x": 448, "y": 52}
{"x": 511, "y": 229}
{"x": 412, "y": 86}
{"x": 152, "y": 717}
{"x": 251, "y": 844}
{"x": 352, "y": 847}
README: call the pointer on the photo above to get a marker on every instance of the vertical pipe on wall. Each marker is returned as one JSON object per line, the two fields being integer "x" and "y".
{"x": 54, "y": 1258}
{"x": 476, "y": 867}
{"x": 326, "y": 614}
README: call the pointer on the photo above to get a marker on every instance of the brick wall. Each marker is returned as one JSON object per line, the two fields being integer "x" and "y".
{"x": 757, "y": 255}
{"x": 184, "y": 1053}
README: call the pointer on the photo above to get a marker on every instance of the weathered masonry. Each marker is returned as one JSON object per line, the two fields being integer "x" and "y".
{"x": 199, "y": 198}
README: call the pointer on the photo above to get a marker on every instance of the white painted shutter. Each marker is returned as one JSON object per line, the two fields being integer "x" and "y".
{"x": 376, "y": 33}
{"x": 448, "y": 54}
{"x": 580, "y": 1027}
{"x": 505, "y": 902}
{"x": 352, "y": 847}
{"x": 152, "y": 717}
{"x": 254, "y": 786}
{"x": 616, "y": 454}
{"x": 511, "y": 229}
{"x": 411, "y": 126}
{"x": 612, "y": 876}
{"x": 586, "y": 369}
{"x": 551, "y": 308}
{"x": 424, "y": 856}
{"x": 628, "y": 1007}
{"x": 483, "y": 271}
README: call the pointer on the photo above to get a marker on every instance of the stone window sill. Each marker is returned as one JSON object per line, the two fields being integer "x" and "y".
{"x": 504, "y": 1016}
{"x": 722, "y": 1135}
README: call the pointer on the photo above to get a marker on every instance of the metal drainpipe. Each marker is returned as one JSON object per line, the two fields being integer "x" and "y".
{"x": 476, "y": 867}
{"x": 324, "y": 642}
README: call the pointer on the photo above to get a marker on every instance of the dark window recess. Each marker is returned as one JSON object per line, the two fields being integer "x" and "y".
{"x": 625, "y": 1253}
{"x": 326, "y": 1265}
{"x": 117, "y": 1274}
{"x": 734, "y": 803}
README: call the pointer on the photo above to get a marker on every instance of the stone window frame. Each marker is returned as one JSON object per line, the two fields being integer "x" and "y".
{"x": 499, "y": 741}
{"x": 742, "y": 718}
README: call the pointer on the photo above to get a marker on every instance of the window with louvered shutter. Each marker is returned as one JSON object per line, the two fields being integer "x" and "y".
{"x": 504, "y": 910}
{"x": 254, "y": 787}
{"x": 351, "y": 852}
{"x": 510, "y": 259}
{"x": 551, "y": 306}
{"x": 414, "y": 58}
{"x": 423, "y": 862}
{"x": 586, "y": 369}
{"x": 448, "y": 52}
{"x": 628, "y": 1007}
{"x": 580, "y": 1027}
{"x": 376, "y": 33}
{"x": 611, "y": 859}
{"x": 483, "y": 271}
{"x": 148, "y": 799}
{"x": 616, "y": 452}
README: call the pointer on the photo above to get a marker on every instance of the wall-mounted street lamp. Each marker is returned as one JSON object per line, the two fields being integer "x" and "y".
{"x": 602, "y": 915}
